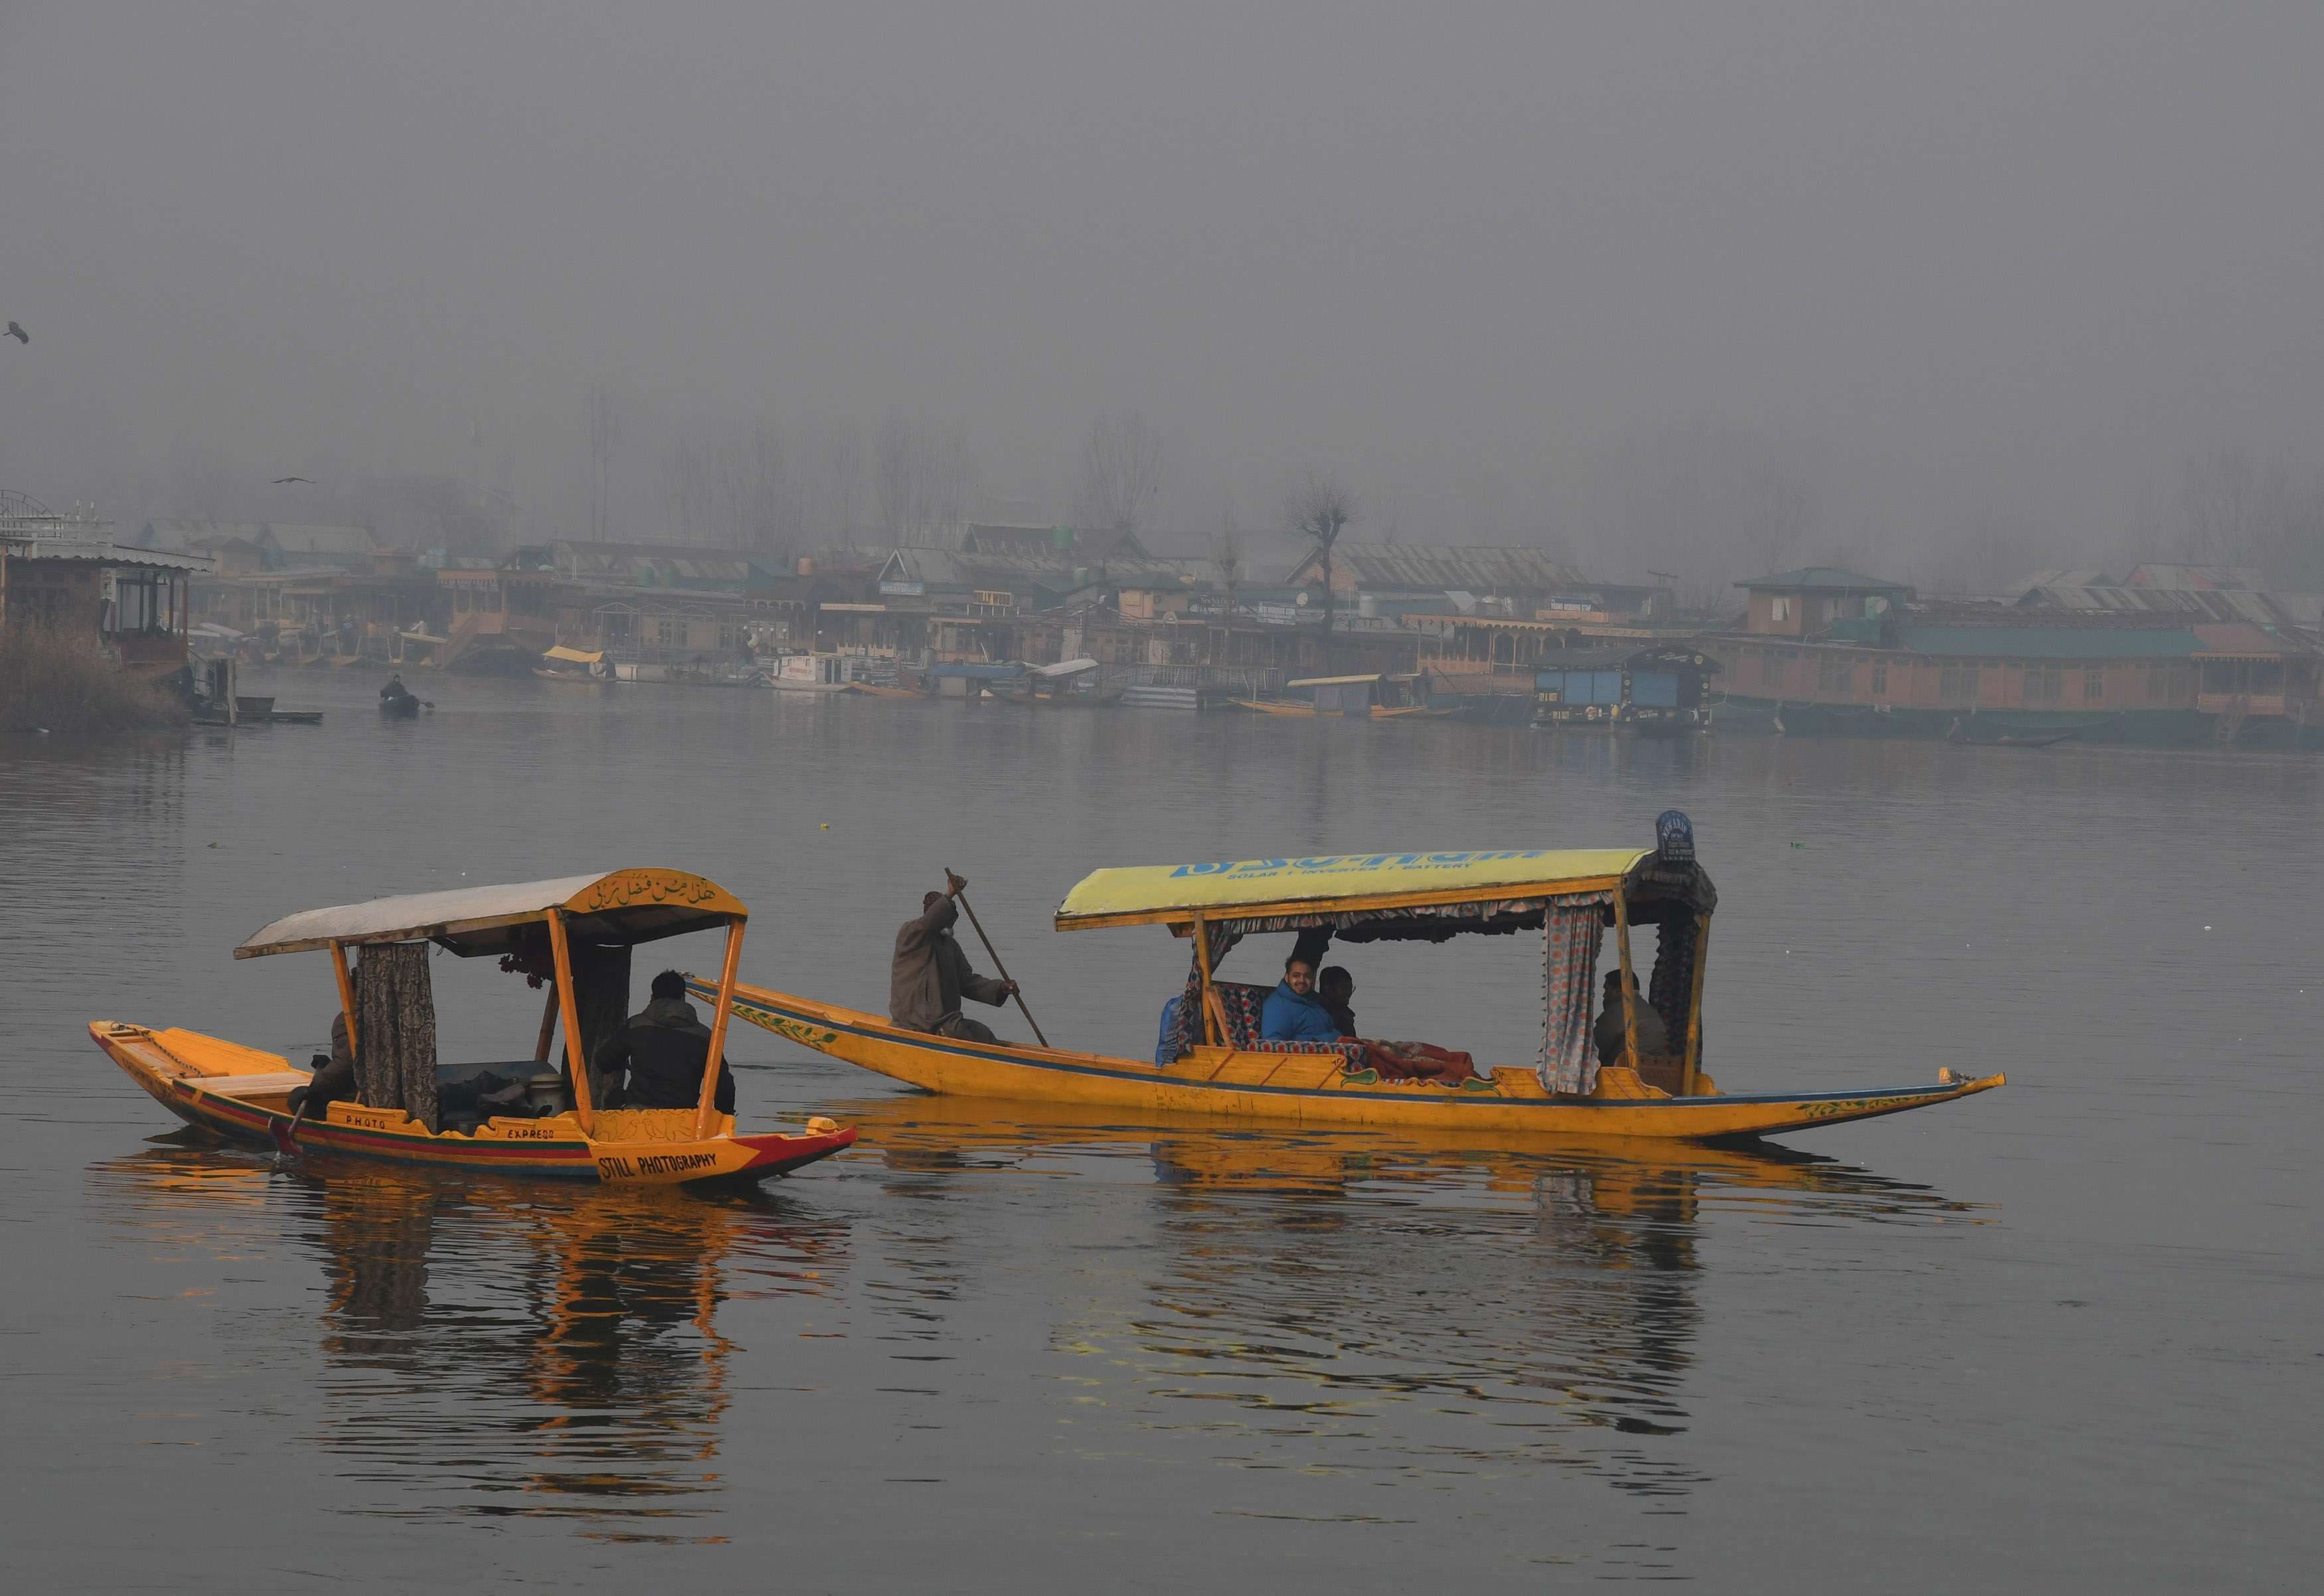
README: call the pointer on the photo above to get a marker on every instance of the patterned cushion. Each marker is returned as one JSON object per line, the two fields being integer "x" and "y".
{"x": 1242, "y": 1004}
{"x": 1351, "y": 1054}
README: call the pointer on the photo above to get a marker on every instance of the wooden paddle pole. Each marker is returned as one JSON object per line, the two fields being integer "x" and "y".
{"x": 962, "y": 895}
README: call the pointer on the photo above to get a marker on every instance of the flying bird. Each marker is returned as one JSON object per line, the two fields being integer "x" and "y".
{"x": 281, "y": 480}
{"x": 19, "y": 333}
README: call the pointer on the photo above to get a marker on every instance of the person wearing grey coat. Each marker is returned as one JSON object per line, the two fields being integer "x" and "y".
{"x": 930, "y": 974}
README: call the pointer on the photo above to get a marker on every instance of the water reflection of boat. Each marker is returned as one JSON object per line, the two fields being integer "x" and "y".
{"x": 520, "y": 1116}
{"x": 1518, "y": 1305}
{"x": 1213, "y": 1057}
{"x": 547, "y": 1351}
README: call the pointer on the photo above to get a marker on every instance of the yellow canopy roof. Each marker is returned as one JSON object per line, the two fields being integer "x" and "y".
{"x": 1151, "y": 894}
{"x": 624, "y": 906}
{"x": 571, "y": 656}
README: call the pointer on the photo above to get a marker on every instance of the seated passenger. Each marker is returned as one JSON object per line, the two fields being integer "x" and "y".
{"x": 1653, "y": 1037}
{"x": 1291, "y": 1013}
{"x": 334, "y": 1078}
{"x": 663, "y": 1051}
{"x": 1336, "y": 990}
{"x": 1334, "y": 987}
{"x": 1166, "y": 1044}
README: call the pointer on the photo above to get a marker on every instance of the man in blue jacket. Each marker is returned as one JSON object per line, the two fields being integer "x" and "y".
{"x": 1291, "y": 1012}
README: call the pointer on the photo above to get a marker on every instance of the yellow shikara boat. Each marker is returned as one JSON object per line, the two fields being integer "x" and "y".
{"x": 536, "y": 1120}
{"x": 1223, "y": 1066}
{"x": 1378, "y": 696}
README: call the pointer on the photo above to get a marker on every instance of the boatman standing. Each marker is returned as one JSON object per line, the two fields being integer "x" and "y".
{"x": 930, "y": 975}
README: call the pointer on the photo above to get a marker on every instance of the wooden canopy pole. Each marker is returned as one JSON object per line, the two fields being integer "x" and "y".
{"x": 1694, "y": 1007}
{"x": 1211, "y": 1031}
{"x": 346, "y": 991}
{"x": 547, "y": 1025}
{"x": 1629, "y": 998}
{"x": 708, "y": 1105}
{"x": 584, "y": 1111}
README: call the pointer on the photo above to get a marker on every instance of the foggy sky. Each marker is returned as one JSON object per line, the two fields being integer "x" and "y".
{"x": 1977, "y": 260}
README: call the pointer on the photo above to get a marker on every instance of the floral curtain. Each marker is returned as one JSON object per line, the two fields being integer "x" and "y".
{"x": 395, "y": 1030}
{"x": 1572, "y": 931}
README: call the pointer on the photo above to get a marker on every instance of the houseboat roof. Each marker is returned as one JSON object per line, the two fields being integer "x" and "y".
{"x": 624, "y": 906}
{"x": 1349, "y": 681}
{"x": 1162, "y": 894}
{"x": 1824, "y": 579}
{"x": 2049, "y": 642}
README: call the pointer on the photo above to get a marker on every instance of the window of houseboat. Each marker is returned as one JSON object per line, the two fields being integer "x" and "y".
{"x": 1880, "y": 681}
{"x": 2094, "y": 685}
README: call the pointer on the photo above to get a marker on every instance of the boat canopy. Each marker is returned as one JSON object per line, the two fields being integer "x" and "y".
{"x": 572, "y": 656}
{"x": 1065, "y": 668}
{"x": 1340, "y": 888}
{"x": 1337, "y": 681}
{"x": 622, "y": 907}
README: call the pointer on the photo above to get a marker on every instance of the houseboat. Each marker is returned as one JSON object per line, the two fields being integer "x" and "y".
{"x": 1658, "y": 688}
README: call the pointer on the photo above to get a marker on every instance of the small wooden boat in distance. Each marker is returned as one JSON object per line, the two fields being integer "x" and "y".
{"x": 1214, "y": 1058}
{"x": 1378, "y": 696}
{"x": 534, "y": 1120}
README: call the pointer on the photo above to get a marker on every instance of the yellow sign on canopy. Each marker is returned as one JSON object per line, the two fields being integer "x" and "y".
{"x": 1148, "y": 894}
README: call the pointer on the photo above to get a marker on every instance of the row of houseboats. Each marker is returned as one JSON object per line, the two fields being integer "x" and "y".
{"x": 573, "y": 938}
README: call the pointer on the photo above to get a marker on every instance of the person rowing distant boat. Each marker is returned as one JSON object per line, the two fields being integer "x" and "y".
{"x": 930, "y": 975}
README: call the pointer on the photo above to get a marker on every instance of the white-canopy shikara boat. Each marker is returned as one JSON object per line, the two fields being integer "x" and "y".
{"x": 520, "y": 1116}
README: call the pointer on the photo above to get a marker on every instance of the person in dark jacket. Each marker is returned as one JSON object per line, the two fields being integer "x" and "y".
{"x": 663, "y": 1052}
{"x": 1335, "y": 989}
{"x": 334, "y": 1078}
{"x": 930, "y": 974}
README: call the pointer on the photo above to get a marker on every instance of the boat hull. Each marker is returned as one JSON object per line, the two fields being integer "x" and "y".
{"x": 1297, "y": 1088}
{"x": 240, "y": 1093}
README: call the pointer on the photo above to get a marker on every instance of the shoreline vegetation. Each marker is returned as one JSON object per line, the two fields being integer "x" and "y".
{"x": 54, "y": 679}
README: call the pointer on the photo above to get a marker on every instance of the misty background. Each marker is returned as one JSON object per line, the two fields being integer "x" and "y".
{"x": 1951, "y": 292}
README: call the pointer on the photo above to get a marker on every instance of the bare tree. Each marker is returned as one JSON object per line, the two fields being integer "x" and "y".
{"x": 734, "y": 489}
{"x": 923, "y": 478}
{"x": 1120, "y": 473}
{"x": 601, "y": 423}
{"x": 1228, "y": 554}
{"x": 2237, "y": 509}
{"x": 1320, "y": 510}
{"x": 831, "y": 479}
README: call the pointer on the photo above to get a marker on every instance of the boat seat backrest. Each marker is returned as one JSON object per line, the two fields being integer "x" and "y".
{"x": 1242, "y": 1004}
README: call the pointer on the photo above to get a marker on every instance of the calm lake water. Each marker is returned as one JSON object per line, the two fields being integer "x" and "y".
{"x": 2065, "y": 1336}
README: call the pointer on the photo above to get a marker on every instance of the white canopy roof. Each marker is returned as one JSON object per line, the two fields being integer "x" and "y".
{"x": 624, "y": 906}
